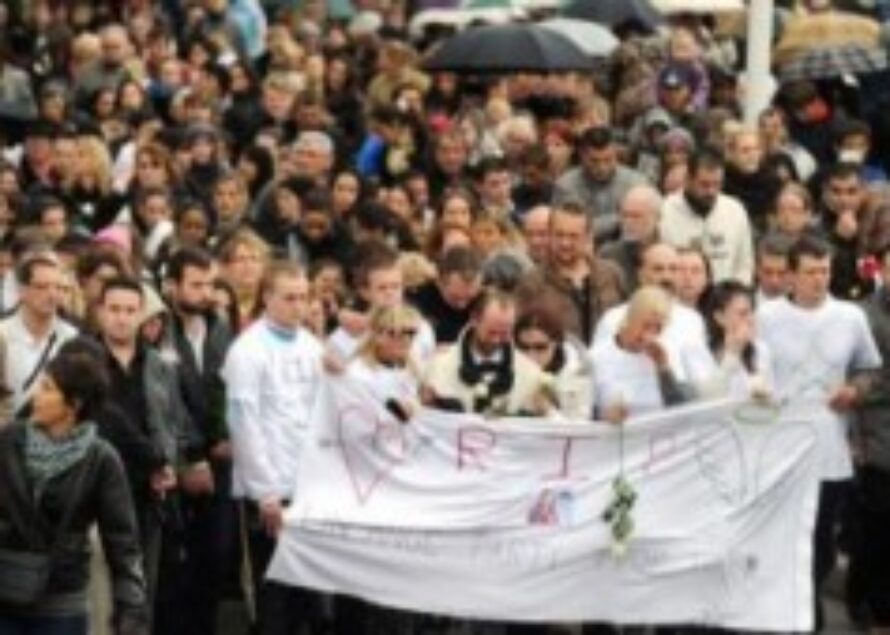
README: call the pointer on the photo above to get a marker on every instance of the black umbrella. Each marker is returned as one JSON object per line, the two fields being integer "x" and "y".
{"x": 617, "y": 14}
{"x": 834, "y": 61}
{"x": 508, "y": 48}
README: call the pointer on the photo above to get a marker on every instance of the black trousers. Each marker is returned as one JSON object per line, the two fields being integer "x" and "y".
{"x": 190, "y": 568}
{"x": 832, "y": 497}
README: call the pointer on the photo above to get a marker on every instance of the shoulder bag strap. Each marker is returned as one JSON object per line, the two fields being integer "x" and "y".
{"x": 44, "y": 356}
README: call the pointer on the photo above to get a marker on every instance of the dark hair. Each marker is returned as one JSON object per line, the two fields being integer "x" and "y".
{"x": 491, "y": 295}
{"x": 186, "y": 257}
{"x": 373, "y": 255}
{"x": 317, "y": 199}
{"x": 774, "y": 244}
{"x": 851, "y": 128}
{"x": 596, "y": 137}
{"x": 490, "y": 165}
{"x": 121, "y": 283}
{"x": 94, "y": 259}
{"x": 706, "y": 158}
{"x": 24, "y": 271}
{"x": 544, "y": 318}
{"x": 461, "y": 260}
{"x": 231, "y": 314}
{"x": 265, "y": 167}
{"x": 721, "y": 295}
{"x": 810, "y": 246}
{"x": 81, "y": 378}
{"x": 843, "y": 171}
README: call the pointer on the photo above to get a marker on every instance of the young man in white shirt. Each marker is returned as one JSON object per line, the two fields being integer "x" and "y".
{"x": 271, "y": 373}
{"x": 34, "y": 332}
{"x": 822, "y": 351}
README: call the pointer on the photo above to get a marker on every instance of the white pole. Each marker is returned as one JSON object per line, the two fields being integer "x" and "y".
{"x": 759, "y": 82}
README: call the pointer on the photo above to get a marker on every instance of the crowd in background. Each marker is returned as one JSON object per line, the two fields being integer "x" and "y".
{"x": 208, "y": 205}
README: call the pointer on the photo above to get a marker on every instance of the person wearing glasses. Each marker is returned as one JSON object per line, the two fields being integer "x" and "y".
{"x": 384, "y": 364}
{"x": 541, "y": 335}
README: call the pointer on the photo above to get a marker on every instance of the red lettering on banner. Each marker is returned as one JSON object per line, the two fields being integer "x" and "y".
{"x": 565, "y": 461}
{"x": 473, "y": 443}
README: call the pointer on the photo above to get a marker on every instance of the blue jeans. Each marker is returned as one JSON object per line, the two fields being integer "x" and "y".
{"x": 12, "y": 625}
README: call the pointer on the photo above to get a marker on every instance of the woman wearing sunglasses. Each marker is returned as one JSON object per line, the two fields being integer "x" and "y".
{"x": 541, "y": 335}
{"x": 383, "y": 362}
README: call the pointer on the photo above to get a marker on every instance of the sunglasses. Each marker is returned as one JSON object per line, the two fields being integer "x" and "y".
{"x": 406, "y": 333}
{"x": 534, "y": 347}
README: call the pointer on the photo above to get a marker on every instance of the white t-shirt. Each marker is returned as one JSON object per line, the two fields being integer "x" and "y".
{"x": 631, "y": 379}
{"x": 271, "y": 384}
{"x": 383, "y": 382}
{"x": 684, "y": 332}
{"x": 813, "y": 353}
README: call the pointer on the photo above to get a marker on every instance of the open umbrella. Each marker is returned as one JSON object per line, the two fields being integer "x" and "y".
{"x": 458, "y": 19}
{"x": 508, "y": 48}
{"x": 834, "y": 61}
{"x": 521, "y": 5}
{"x": 831, "y": 28}
{"x": 707, "y": 7}
{"x": 615, "y": 13}
{"x": 592, "y": 38}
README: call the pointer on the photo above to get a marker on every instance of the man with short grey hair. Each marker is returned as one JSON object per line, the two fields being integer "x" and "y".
{"x": 638, "y": 221}
{"x": 313, "y": 156}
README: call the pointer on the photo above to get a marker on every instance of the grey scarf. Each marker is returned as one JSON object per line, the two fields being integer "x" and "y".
{"x": 46, "y": 458}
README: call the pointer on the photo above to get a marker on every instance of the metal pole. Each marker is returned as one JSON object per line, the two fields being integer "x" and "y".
{"x": 759, "y": 85}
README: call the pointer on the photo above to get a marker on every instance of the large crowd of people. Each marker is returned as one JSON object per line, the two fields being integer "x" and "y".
{"x": 207, "y": 206}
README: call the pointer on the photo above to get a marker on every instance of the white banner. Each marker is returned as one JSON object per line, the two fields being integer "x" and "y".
{"x": 503, "y": 519}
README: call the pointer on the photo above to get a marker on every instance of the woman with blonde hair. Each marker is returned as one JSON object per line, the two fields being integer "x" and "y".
{"x": 635, "y": 372}
{"x": 243, "y": 256}
{"x": 383, "y": 362}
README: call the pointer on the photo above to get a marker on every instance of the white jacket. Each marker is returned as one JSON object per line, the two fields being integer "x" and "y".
{"x": 724, "y": 235}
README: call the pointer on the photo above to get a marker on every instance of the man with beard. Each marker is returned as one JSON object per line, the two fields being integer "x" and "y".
{"x": 199, "y": 339}
{"x": 483, "y": 372}
{"x": 638, "y": 218}
{"x": 701, "y": 216}
{"x": 856, "y": 223}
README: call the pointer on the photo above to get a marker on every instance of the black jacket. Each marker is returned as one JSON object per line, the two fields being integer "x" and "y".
{"x": 202, "y": 388}
{"x": 104, "y": 498}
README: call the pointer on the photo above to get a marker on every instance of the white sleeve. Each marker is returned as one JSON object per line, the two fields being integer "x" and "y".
{"x": 243, "y": 375}
{"x": 744, "y": 266}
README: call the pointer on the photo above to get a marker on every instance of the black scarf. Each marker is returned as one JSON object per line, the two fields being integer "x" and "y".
{"x": 473, "y": 374}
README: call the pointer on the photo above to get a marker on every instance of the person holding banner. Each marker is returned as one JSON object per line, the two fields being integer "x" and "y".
{"x": 634, "y": 372}
{"x": 540, "y": 335}
{"x": 823, "y": 357}
{"x": 384, "y": 361}
{"x": 483, "y": 372}
{"x": 271, "y": 373}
